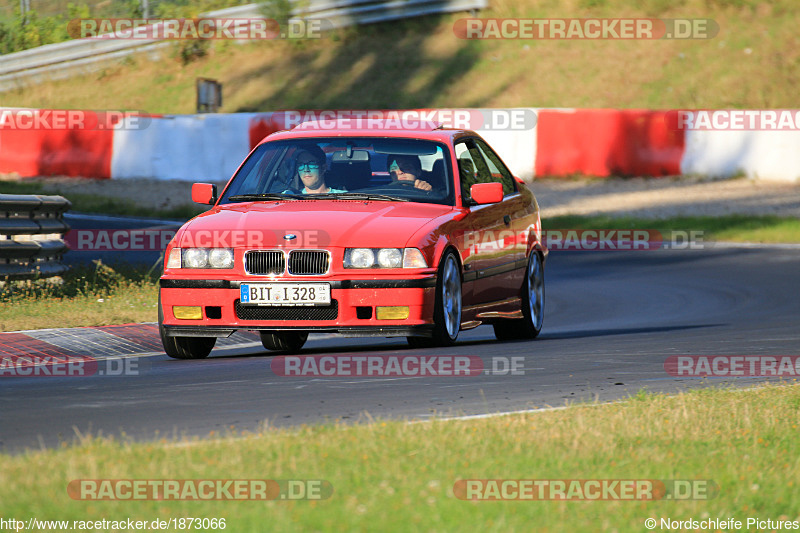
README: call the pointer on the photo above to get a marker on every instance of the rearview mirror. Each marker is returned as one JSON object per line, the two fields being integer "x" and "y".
{"x": 204, "y": 193}
{"x": 486, "y": 193}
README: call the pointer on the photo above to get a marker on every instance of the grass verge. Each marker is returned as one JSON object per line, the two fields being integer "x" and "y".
{"x": 735, "y": 228}
{"x": 395, "y": 476}
{"x": 85, "y": 296}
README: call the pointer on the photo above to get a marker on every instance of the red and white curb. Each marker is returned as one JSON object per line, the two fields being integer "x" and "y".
{"x": 100, "y": 342}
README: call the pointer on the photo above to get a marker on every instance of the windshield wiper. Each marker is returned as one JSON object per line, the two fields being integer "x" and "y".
{"x": 363, "y": 196}
{"x": 321, "y": 196}
{"x": 263, "y": 196}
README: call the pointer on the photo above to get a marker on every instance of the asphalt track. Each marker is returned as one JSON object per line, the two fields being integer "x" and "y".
{"x": 612, "y": 319}
{"x": 83, "y": 221}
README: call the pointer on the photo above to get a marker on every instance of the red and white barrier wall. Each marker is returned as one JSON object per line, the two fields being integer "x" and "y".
{"x": 606, "y": 142}
{"x": 596, "y": 142}
{"x": 33, "y": 144}
{"x": 183, "y": 147}
{"x": 773, "y": 155}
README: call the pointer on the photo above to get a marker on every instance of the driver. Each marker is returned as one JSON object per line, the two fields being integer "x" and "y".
{"x": 310, "y": 165}
{"x": 407, "y": 168}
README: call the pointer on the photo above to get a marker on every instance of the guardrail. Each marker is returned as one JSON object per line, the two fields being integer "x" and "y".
{"x": 62, "y": 60}
{"x": 32, "y": 232}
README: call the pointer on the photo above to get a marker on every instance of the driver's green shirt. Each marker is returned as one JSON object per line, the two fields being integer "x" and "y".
{"x": 332, "y": 190}
{"x": 305, "y": 191}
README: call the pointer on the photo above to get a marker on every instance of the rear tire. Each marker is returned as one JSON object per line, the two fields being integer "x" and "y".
{"x": 183, "y": 347}
{"x": 532, "y": 305}
{"x": 284, "y": 341}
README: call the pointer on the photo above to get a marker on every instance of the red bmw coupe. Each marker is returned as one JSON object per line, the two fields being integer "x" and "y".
{"x": 419, "y": 233}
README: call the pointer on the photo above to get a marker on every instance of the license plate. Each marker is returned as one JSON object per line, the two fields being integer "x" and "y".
{"x": 285, "y": 293}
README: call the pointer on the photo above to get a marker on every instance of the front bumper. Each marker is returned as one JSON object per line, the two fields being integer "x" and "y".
{"x": 352, "y": 311}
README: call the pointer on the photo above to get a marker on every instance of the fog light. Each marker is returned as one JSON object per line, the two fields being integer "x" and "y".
{"x": 187, "y": 312}
{"x": 394, "y": 312}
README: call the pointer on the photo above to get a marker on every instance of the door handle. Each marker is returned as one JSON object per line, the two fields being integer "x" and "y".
{"x": 507, "y": 219}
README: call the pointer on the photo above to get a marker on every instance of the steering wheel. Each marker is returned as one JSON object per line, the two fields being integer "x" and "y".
{"x": 408, "y": 184}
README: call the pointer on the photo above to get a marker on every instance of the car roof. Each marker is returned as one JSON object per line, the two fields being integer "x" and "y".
{"x": 344, "y": 128}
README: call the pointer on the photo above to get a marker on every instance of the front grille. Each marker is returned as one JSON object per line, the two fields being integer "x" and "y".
{"x": 308, "y": 262}
{"x": 286, "y": 312}
{"x": 264, "y": 263}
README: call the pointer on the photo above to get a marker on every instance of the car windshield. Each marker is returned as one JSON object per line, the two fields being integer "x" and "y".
{"x": 369, "y": 168}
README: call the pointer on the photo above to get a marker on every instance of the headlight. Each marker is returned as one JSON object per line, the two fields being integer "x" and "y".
{"x": 384, "y": 258}
{"x": 359, "y": 258}
{"x": 206, "y": 258}
{"x": 195, "y": 258}
{"x": 220, "y": 258}
{"x": 390, "y": 258}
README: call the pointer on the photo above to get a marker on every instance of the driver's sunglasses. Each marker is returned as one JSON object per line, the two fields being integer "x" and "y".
{"x": 305, "y": 167}
{"x": 395, "y": 167}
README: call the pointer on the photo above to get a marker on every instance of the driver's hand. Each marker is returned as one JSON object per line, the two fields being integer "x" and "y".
{"x": 424, "y": 185}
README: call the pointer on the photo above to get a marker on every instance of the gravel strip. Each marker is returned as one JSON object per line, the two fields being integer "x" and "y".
{"x": 151, "y": 193}
{"x": 666, "y": 197}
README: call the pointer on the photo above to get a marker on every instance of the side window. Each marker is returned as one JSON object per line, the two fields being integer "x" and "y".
{"x": 477, "y": 163}
{"x": 466, "y": 168}
{"x": 482, "y": 172}
{"x": 497, "y": 168}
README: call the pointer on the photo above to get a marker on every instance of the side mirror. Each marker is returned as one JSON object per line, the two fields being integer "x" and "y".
{"x": 486, "y": 193}
{"x": 204, "y": 193}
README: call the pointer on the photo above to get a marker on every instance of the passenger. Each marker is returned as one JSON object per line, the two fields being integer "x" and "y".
{"x": 310, "y": 165}
{"x": 407, "y": 168}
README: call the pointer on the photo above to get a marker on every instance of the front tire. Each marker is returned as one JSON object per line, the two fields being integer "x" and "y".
{"x": 530, "y": 326}
{"x": 183, "y": 347}
{"x": 284, "y": 341}
{"x": 447, "y": 306}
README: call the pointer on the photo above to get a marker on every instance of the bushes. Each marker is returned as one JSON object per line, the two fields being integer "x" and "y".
{"x": 34, "y": 29}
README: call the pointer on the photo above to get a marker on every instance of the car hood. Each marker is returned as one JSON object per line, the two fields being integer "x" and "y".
{"x": 314, "y": 223}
